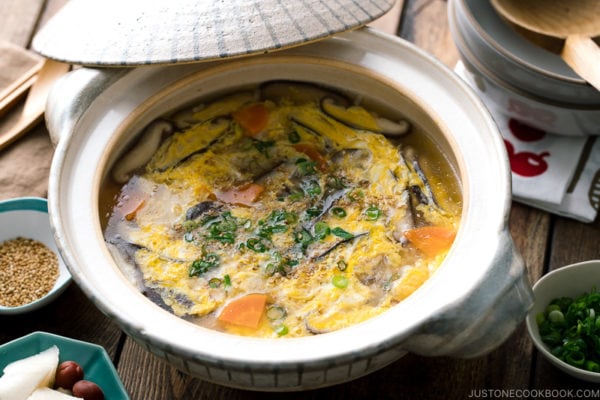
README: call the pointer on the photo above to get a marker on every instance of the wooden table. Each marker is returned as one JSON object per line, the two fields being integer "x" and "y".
{"x": 545, "y": 241}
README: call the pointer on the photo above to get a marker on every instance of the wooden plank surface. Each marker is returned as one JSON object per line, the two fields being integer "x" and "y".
{"x": 545, "y": 241}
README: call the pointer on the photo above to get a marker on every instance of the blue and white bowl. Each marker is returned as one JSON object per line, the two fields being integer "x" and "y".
{"x": 28, "y": 217}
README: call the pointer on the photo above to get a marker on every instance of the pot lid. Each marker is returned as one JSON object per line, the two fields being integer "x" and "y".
{"x": 138, "y": 32}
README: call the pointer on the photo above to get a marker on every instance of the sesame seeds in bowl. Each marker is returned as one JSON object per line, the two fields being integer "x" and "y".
{"x": 32, "y": 272}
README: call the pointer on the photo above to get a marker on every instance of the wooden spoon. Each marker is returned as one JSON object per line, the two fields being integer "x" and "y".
{"x": 575, "y": 21}
{"x": 35, "y": 104}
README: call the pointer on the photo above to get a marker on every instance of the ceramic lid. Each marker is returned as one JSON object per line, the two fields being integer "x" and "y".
{"x": 138, "y": 32}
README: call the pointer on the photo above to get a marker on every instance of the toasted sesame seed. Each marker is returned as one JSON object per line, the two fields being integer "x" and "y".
{"x": 28, "y": 270}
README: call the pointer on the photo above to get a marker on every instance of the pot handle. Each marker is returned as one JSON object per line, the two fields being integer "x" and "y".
{"x": 71, "y": 96}
{"x": 484, "y": 318}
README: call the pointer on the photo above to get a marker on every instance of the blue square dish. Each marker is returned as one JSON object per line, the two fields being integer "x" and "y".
{"x": 94, "y": 360}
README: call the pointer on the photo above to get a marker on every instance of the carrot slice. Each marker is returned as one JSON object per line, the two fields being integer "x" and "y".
{"x": 431, "y": 240}
{"x": 245, "y": 311}
{"x": 244, "y": 195}
{"x": 313, "y": 153}
{"x": 252, "y": 118}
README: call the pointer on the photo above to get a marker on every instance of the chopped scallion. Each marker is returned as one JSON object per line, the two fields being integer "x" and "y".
{"x": 293, "y": 137}
{"x": 321, "y": 230}
{"x": 338, "y": 212}
{"x": 571, "y": 329}
{"x": 373, "y": 213}
{"x": 270, "y": 269}
{"x": 256, "y": 244}
{"x": 188, "y": 237}
{"x": 263, "y": 146}
{"x": 339, "y": 281}
{"x": 356, "y": 195}
{"x": 203, "y": 264}
{"x": 339, "y": 232}
{"x": 214, "y": 283}
{"x": 313, "y": 211}
{"x": 281, "y": 330}
{"x": 306, "y": 167}
{"x": 276, "y": 312}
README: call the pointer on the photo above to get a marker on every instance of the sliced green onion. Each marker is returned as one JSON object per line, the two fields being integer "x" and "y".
{"x": 356, "y": 195}
{"x": 282, "y": 216}
{"x": 214, "y": 283}
{"x": 276, "y": 312}
{"x": 335, "y": 183}
{"x": 321, "y": 230}
{"x": 209, "y": 220}
{"x": 203, "y": 264}
{"x": 270, "y": 269}
{"x": 221, "y": 228}
{"x": 373, "y": 213}
{"x": 246, "y": 224}
{"x": 276, "y": 256}
{"x": 339, "y": 232}
{"x": 293, "y": 137}
{"x": 304, "y": 238}
{"x": 277, "y": 222}
{"x": 342, "y": 265}
{"x": 556, "y": 317}
{"x": 263, "y": 146}
{"x": 297, "y": 196}
{"x": 306, "y": 167}
{"x": 540, "y": 318}
{"x": 226, "y": 237}
{"x": 552, "y": 307}
{"x": 189, "y": 225}
{"x": 571, "y": 329}
{"x": 281, "y": 330}
{"x": 575, "y": 358}
{"x": 188, "y": 237}
{"x": 592, "y": 366}
{"x": 339, "y": 281}
{"x": 311, "y": 187}
{"x": 256, "y": 244}
{"x": 226, "y": 281}
{"x": 313, "y": 211}
{"x": 338, "y": 212}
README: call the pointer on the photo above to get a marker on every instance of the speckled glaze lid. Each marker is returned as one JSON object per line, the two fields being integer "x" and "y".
{"x": 139, "y": 32}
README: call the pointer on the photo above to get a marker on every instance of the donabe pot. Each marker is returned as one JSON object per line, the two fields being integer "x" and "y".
{"x": 467, "y": 308}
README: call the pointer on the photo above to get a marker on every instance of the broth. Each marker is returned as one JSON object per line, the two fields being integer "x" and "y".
{"x": 287, "y": 210}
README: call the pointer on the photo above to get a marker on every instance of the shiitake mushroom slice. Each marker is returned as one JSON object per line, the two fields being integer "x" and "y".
{"x": 142, "y": 151}
{"x": 224, "y": 107}
{"x": 298, "y": 92}
{"x": 358, "y": 118}
{"x": 181, "y": 146}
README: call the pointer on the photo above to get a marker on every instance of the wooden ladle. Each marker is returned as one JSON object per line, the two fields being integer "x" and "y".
{"x": 575, "y": 21}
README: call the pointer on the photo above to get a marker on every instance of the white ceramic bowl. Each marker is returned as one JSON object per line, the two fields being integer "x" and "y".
{"x": 28, "y": 217}
{"x": 519, "y": 78}
{"x": 569, "y": 281}
{"x": 471, "y": 304}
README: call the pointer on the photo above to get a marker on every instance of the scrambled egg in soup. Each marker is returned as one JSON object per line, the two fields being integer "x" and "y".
{"x": 285, "y": 211}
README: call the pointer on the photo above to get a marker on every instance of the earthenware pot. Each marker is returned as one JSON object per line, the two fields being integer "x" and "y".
{"x": 467, "y": 308}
